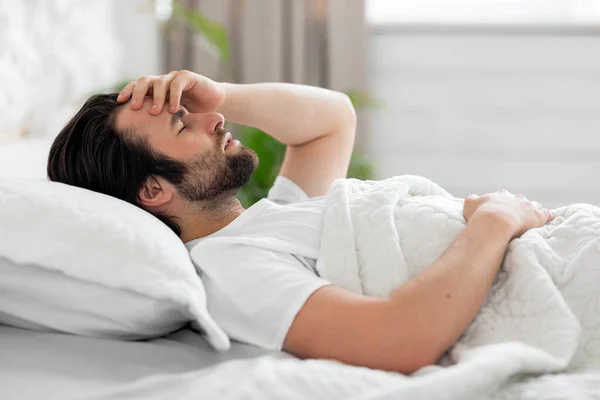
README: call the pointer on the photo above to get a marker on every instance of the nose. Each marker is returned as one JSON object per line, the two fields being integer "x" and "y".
{"x": 208, "y": 121}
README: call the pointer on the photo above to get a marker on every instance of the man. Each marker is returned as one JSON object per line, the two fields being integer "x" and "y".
{"x": 161, "y": 144}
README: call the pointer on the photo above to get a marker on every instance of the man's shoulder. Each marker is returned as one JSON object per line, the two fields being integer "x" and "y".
{"x": 285, "y": 191}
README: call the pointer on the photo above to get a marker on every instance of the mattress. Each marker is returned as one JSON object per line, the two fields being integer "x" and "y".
{"x": 36, "y": 365}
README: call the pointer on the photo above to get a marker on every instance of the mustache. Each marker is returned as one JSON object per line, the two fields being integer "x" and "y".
{"x": 221, "y": 134}
{"x": 220, "y": 130}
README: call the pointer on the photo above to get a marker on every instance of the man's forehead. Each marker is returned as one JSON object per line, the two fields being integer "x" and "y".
{"x": 127, "y": 119}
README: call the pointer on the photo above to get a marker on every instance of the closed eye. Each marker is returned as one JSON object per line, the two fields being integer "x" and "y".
{"x": 181, "y": 130}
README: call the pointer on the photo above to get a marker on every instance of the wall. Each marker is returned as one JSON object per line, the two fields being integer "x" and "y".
{"x": 481, "y": 108}
{"x": 52, "y": 56}
{"x": 139, "y": 34}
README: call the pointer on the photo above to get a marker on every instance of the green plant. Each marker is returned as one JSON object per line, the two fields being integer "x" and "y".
{"x": 214, "y": 33}
{"x": 269, "y": 150}
{"x": 270, "y": 154}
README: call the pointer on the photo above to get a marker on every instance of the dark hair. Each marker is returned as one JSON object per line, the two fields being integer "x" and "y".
{"x": 90, "y": 153}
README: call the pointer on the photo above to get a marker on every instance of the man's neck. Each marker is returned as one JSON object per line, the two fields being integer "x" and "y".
{"x": 198, "y": 224}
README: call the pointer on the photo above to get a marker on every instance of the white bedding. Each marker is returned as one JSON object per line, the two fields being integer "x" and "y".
{"x": 36, "y": 365}
{"x": 182, "y": 366}
{"x": 268, "y": 378}
{"x": 542, "y": 314}
{"x": 39, "y": 365}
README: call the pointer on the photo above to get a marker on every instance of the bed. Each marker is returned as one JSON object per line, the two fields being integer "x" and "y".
{"x": 41, "y": 365}
{"x": 181, "y": 365}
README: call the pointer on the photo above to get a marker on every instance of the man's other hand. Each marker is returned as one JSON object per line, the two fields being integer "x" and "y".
{"x": 515, "y": 210}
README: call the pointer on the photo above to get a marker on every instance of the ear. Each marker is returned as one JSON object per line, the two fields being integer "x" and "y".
{"x": 155, "y": 192}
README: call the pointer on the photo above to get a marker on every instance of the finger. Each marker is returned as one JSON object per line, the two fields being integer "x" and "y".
{"x": 139, "y": 92}
{"x": 126, "y": 92}
{"x": 175, "y": 91}
{"x": 159, "y": 89}
{"x": 548, "y": 215}
{"x": 521, "y": 197}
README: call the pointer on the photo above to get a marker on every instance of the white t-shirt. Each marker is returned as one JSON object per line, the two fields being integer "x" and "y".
{"x": 259, "y": 270}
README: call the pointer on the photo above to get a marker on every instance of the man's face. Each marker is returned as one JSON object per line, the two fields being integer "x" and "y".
{"x": 216, "y": 165}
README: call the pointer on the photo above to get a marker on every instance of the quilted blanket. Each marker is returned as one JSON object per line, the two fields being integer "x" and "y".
{"x": 276, "y": 378}
{"x": 542, "y": 313}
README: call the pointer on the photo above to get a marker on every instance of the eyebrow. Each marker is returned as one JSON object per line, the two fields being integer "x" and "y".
{"x": 177, "y": 116}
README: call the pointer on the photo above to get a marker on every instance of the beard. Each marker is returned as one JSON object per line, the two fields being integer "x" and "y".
{"x": 215, "y": 177}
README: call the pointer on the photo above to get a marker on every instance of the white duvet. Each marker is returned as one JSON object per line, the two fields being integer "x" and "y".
{"x": 542, "y": 314}
{"x": 274, "y": 378}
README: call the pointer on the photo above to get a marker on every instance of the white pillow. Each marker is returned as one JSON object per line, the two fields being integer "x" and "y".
{"x": 85, "y": 263}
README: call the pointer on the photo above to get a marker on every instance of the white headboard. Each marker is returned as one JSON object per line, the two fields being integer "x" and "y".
{"x": 53, "y": 55}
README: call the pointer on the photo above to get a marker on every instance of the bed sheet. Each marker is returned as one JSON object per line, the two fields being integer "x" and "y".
{"x": 182, "y": 366}
{"x": 268, "y": 378}
{"x": 37, "y": 365}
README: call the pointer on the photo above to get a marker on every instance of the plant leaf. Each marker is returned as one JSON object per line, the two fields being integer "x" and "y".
{"x": 120, "y": 85}
{"x": 360, "y": 99}
{"x": 270, "y": 153}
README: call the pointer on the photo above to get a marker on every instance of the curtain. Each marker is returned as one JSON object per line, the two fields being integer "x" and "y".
{"x": 315, "y": 42}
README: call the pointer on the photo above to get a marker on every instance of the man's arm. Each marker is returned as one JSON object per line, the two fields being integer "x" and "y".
{"x": 418, "y": 322}
{"x": 318, "y": 125}
{"x": 422, "y": 318}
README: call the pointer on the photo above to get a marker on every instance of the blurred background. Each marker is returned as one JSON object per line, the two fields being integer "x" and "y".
{"x": 476, "y": 95}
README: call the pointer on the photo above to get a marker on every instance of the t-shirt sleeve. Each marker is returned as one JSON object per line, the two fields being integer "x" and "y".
{"x": 254, "y": 294}
{"x": 284, "y": 191}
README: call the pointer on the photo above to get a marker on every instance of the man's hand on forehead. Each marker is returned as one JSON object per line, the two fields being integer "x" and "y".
{"x": 199, "y": 93}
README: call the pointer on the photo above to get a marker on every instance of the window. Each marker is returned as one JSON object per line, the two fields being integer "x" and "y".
{"x": 483, "y": 11}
